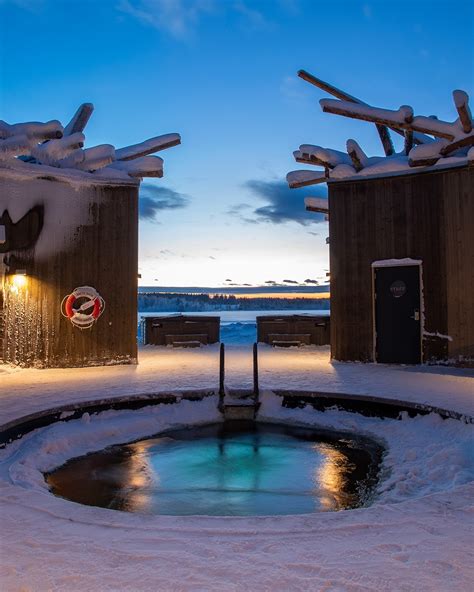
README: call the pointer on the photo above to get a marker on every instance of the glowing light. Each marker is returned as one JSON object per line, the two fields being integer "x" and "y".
{"x": 330, "y": 477}
{"x": 19, "y": 281}
{"x": 139, "y": 477}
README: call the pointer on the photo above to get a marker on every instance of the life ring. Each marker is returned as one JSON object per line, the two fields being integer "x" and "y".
{"x": 77, "y": 314}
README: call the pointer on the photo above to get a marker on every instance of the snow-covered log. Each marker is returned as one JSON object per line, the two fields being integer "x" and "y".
{"x": 461, "y": 101}
{"x": 308, "y": 159}
{"x": 79, "y": 120}
{"x": 297, "y": 179}
{"x": 52, "y": 145}
{"x": 336, "y": 92}
{"x": 402, "y": 118}
{"x": 465, "y": 142}
{"x": 358, "y": 156}
{"x": 34, "y": 129}
{"x": 317, "y": 204}
{"x": 428, "y": 140}
{"x": 330, "y": 158}
{"x": 97, "y": 157}
{"x": 50, "y": 152}
{"x": 148, "y": 147}
{"x": 146, "y": 166}
{"x": 426, "y": 155}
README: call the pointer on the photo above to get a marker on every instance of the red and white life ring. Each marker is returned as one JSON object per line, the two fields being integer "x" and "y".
{"x": 83, "y": 314}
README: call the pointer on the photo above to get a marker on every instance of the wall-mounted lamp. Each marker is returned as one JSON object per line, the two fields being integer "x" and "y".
{"x": 19, "y": 278}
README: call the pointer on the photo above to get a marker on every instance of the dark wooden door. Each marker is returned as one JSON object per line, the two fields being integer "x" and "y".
{"x": 397, "y": 315}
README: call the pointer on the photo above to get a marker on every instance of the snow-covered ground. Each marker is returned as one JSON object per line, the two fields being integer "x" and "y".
{"x": 418, "y": 535}
{"x": 165, "y": 368}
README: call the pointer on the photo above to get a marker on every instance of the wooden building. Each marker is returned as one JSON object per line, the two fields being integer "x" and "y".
{"x": 401, "y": 232}
{"x": 69, "y": 244}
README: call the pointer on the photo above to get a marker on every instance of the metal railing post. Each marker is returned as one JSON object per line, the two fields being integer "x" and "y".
{"x": 256, "y": 391}
{"x": 221, "y": 374}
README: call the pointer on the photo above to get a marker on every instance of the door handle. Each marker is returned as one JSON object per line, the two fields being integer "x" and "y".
{"x": 416, "y": 315}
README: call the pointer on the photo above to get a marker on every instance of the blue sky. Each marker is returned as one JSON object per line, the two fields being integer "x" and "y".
{"x": 222, "y": 73}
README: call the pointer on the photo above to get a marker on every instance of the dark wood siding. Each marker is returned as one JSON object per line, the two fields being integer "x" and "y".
{"x": 459, "y": 241}
{"x": 102, "y": 253}
{"x": 427, "y": 216}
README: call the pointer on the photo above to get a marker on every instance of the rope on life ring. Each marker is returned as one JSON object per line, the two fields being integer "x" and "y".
{"x": 76, "y": 314}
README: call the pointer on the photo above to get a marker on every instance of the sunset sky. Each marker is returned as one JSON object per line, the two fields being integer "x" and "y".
{"x": 222, "y": 73}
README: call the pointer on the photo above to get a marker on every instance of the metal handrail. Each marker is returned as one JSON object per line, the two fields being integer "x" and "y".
{"x": 221, "y": 374}
{"x": 256, "y": 389}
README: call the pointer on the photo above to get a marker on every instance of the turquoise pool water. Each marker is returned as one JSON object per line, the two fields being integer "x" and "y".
{"x": 226, "y": 469}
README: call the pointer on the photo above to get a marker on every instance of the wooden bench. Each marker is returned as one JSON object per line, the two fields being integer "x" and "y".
{"x": 289, "y": 339}
{"x": 189, "y": 340}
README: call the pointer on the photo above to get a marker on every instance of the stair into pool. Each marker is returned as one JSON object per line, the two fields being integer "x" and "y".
{"x": 239, "y": 405}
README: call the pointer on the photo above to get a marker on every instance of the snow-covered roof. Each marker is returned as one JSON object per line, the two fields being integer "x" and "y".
{"x": 428, "y": 140}
{"x": 54, "y": 146}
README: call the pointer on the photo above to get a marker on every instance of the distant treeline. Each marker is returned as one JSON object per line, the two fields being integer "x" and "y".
{"x": 159, "y": 302}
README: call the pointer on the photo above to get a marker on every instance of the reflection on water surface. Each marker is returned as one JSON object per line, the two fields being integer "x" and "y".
{"x": 226, "y": 469}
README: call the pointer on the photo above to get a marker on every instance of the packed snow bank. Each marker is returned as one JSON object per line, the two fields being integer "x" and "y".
{"x": 45, "y": 449}
{"x": 425, "y": 454}
{"x": 421, "y": 543}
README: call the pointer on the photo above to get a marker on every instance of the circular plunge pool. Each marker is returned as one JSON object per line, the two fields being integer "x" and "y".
{"x": 226, "y": 469}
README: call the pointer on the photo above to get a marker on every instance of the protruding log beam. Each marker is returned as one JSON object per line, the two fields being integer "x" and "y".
{"x": 146, "y": 166}
{"x": 310, "y": 159}
{"x": 50, "y": 130}
{"x": 336, "y": 92}
{"x": 386, "y": 140}
{"x": 418, "y": 162}
{"x": 329, "y": 157}
{"x": 427, "y": 154}
{"x": 148, "y": 147}
{"x": 332, "y": 90}
{"x": 462, "y": 143}
{"x": 316, "y": 204}
{"x": 461, "y": 101}
{"x": 97, "y": 157}
{"x": 297, "y": 179}
{"x": 401, "y": 119}
{"x": 79, "y": 120}
{"x": 358, "y": 157}
{"x": 408, "y": 141}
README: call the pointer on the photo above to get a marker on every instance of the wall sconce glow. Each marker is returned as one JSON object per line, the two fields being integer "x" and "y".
{"x": 19, "y": 279}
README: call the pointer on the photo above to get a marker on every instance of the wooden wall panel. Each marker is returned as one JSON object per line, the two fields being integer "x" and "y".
{"x": 459, "y": 239}
{"x": 425, "y": 216}
{"x": 102, "y": 253}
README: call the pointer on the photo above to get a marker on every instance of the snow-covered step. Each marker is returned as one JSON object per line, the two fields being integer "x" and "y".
{"x": 239, "y": 405}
